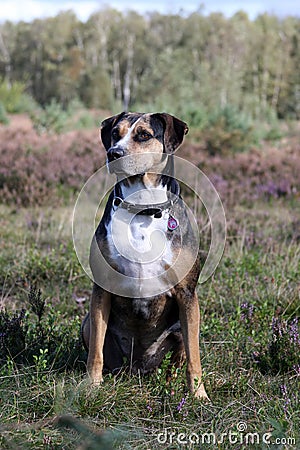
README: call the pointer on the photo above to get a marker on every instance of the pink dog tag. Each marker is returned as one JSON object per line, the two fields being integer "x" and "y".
{"x": 172, "y": 223}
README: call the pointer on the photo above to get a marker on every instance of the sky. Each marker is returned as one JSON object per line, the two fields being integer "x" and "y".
{"x": 26, "y": 10}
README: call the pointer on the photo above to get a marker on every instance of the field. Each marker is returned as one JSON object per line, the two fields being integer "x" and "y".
{"x": 250, "y": 341}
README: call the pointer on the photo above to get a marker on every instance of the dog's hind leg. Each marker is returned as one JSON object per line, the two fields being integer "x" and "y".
{"x": 85, "y": 331}
{"x": 169, "y": 341}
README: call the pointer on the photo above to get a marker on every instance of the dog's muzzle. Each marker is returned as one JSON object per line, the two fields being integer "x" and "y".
{"x": 115, "y": 153}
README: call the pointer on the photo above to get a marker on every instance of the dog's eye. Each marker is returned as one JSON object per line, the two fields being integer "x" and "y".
{"x": 115, "y": 135}
{"x": 144, "y": 136}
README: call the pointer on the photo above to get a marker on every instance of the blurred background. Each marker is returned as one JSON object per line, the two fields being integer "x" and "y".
{"x": 193, "y": 62}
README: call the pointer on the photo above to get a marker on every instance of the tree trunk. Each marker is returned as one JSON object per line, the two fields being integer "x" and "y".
{"x": 6, "y": 59}
{"x": 128, "y": 74}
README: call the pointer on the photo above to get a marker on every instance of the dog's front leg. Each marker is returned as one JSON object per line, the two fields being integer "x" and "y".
{"x": 99, "y": 314}
{"x": 189, "y": 316}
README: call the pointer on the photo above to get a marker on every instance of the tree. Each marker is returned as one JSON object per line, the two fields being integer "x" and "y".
{"x": 186, "y": 64}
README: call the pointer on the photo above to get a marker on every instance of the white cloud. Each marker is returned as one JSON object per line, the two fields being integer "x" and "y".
{"x": 16, "y": 10}
{"x": 27, "y": 10}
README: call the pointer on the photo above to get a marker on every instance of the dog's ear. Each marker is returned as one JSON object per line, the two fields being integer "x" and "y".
{"x": 106, "y": 127}
{"x": 174, "y": 131}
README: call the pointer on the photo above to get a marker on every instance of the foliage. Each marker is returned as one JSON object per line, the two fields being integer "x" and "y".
{"x": 282, "y": 353}
{"x": 14, "y": 98}
{"x": 33, "y": 337}
{"x": 10, "y": 95}
{"x": 49, "y": 169}
{"x": 85, "y": 121}
{"x": 91, "y": 440}
{"x": 164, "y": 61}
{"x": 228, "y": 131}
{"x": 12, "y": 334}
{"x": 3, "y": 115}
{"x": 46, "y": 169}
{"x": 36, "y": 302}
{"x": 196, "y": 116}
{"x": 96, "y": 89}
{"x": 253, "y": 175}
{"x": 52, "y": 118}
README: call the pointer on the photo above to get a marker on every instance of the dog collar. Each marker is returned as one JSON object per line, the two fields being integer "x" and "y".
{"x": 152, "y": 209}
{"x": 149, "y": 209}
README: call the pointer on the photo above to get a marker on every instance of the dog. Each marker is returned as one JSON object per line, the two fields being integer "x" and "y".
{"x": 152, "y": 308}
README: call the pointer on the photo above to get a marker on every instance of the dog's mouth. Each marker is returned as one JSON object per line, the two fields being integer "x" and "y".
{"x": 123, "y": 170}
{"x": 137, "y": 165}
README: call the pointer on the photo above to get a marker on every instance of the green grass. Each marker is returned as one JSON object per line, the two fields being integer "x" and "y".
{"x": 45, "y": 401}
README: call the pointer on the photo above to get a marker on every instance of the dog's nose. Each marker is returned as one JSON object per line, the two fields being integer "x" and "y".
{"x": 115, "y": 153}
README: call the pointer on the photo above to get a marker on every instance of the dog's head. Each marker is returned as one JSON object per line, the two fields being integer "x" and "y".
{"x": 143, "y": 139}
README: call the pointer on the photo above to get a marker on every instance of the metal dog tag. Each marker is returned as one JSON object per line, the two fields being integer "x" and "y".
{"x": 172, "y": 223}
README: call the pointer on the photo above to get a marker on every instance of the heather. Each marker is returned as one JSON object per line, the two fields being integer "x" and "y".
{"x": 43, "y": 168}
{"x": 267, "y": 171}
{"x": 40, "y": 169}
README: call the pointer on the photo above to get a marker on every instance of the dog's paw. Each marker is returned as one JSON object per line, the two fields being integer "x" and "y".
{"x": 96, "y": 381}
{"x": 95, "y": 378}
{"x": 200, "y": 394}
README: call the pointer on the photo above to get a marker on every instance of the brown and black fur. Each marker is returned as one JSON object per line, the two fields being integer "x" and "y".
{"x": 143, "y": 330}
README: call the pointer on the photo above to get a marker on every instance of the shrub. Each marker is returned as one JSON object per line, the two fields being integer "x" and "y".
{"x": 26, "y": 104}
{"x": 48, "y": 169}
{"x": 273, "y": 134}
{"x": 195, "y": 116}
{"x": 228, "y": 131}
{"x": 14, "y": 98}
{"x": 282, "y": 353}
{"x": 51, "y": 119}
{"x": 75, "y": 105}
{"x": 85, "y": 121}
{"x": 40, "y": 335}
{"x": 12, "y": 334}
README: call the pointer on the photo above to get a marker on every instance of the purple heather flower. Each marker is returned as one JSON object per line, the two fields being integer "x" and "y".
{"x": 294, "y": 332}
{"x": 283, "y": 328}
{"x": 297, "y": 369}
{"x": 277, "y": 327}
{"x": 180, "y": 404}
{"x": 274, "y": 189}
{"x": 247, "y": 311}
{"x": 286, "y": 398}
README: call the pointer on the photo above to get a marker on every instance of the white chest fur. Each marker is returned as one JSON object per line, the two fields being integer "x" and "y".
{"x": 139, "y": 243}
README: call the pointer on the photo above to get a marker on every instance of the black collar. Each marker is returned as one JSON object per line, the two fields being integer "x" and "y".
{"x": 150, "y": 209}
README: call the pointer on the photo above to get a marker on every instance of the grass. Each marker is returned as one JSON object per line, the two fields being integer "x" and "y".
{"x": 45, "y": 400}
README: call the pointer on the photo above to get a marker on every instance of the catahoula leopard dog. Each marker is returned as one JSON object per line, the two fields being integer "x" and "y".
{"x": 152, "y": 308}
